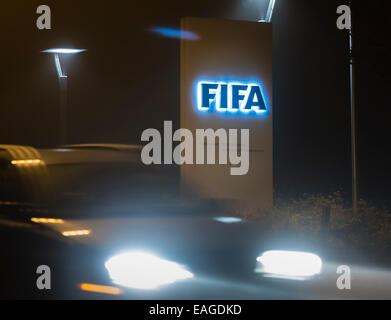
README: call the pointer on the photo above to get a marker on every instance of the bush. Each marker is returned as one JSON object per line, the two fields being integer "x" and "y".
{"x": 370, "y": 227}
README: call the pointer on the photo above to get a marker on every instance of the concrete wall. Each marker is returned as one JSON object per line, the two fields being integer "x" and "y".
{"x": 229, "y": 50}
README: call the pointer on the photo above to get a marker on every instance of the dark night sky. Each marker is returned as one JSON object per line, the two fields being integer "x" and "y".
{"x": 128, "y": 81}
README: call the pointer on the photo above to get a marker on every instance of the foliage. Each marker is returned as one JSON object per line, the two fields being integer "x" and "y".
{"x": 370, "y": 227}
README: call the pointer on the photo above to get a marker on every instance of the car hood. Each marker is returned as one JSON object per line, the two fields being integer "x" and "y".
{"x": 187, "y": 240}
{"x": 202, "y": 243}
{"x": 174, "y": 231}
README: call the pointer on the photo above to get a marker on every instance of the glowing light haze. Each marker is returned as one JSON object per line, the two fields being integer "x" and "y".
{"x": 141, "y": 270}
{"x": 290, "y": 263}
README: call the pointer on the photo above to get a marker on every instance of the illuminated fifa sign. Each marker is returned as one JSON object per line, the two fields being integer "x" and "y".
{"x": 232, "y": 97}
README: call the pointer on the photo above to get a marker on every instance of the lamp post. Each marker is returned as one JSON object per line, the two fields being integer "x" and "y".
{"x": 352, "y": 115}
{"x": 270, "y": 9}
{"x": 269, "y": 12}
{"x": 63, "y": 82}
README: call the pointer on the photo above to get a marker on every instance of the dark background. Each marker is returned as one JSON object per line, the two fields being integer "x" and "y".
{"x": 128, "y": 81}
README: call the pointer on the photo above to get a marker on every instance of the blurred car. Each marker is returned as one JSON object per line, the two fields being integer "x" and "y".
{"x": 109, "y": 226}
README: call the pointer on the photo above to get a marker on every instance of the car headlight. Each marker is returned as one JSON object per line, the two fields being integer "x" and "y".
{"x": 144, "y": 271}
{"x": 289, "y": 264}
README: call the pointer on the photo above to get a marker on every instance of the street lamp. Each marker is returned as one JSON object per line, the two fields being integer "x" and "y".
{"x": 269, "y": 12}
{"x": 353, "y": 116}
{"x": 62, "y": 78}
{"x": 252, "y": 10}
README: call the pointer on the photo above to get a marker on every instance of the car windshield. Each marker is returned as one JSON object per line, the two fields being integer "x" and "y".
{"x": 110, "y": 189}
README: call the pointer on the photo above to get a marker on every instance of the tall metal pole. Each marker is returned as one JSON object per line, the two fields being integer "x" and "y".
{"x": 353, "y": 114}
{"x": 63, "y": 81}
{"x": 63, "y": 110}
